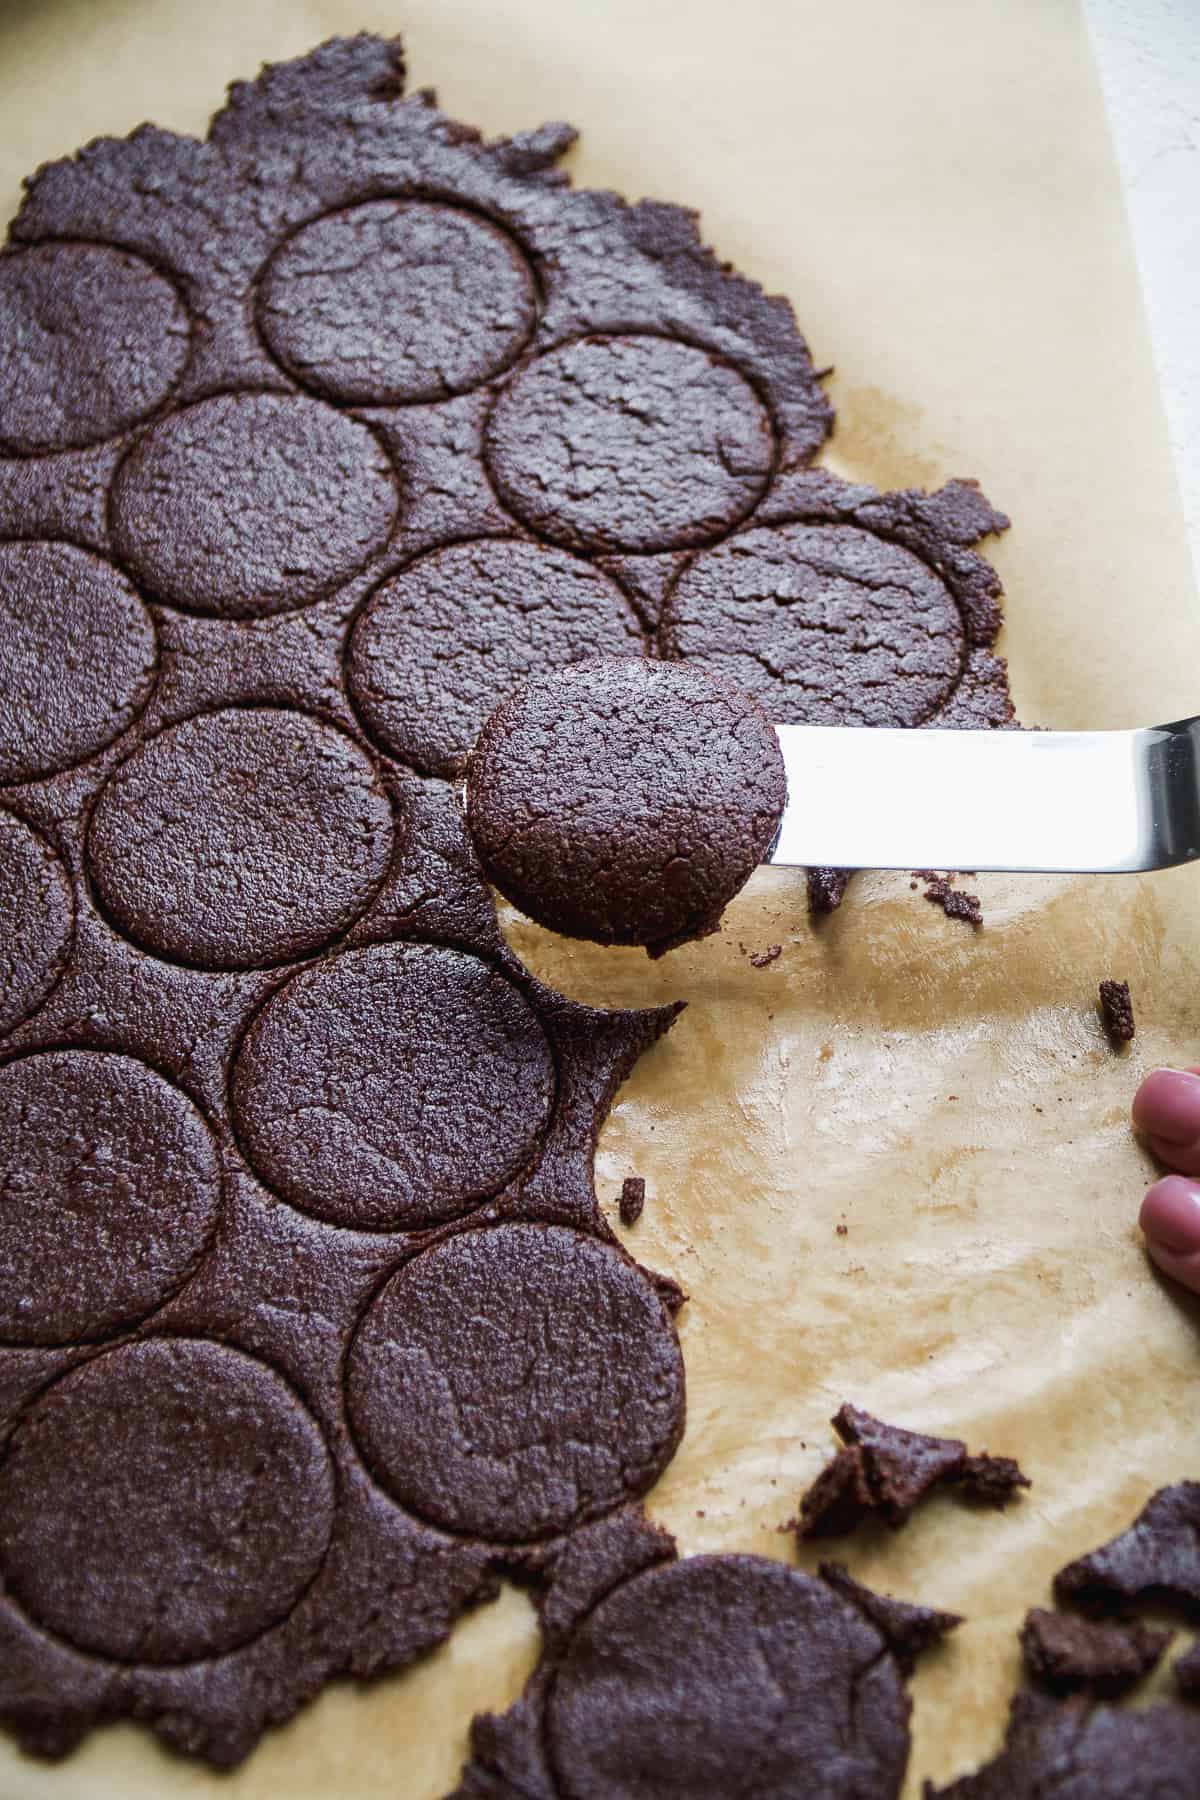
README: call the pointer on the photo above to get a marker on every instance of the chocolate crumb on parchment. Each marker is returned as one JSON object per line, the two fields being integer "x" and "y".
{"x": 1116, "y": 1011}
{"x": 886, "y": 1471}
{"x": 954, "y": 902}
{"x": 762, "y": 959}
{"x": 633, "y": 1199}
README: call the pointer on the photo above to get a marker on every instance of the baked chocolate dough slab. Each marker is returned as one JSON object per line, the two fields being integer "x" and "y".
{"x": 217, "y": 460}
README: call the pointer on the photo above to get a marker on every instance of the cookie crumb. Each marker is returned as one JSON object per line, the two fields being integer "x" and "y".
{"x": 633, "y": 1198}
{"x": 1116, "y": 1009}
{"x": 843, "y": 1230}
{"x": 764, "y": 957}
{"x": 827, "y": 890}
{"x": 954, "y": 902}
{"x": 991, "y": 1480}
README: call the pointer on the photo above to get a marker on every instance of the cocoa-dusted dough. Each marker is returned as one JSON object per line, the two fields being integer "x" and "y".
{"x": 440, "y": 645}
{"x": 58, "y": 702}
{"x": 718, "y": 1675}
{"x": 516, "y": 1382}
{"x": 625, "y": 801}
{"x": 1074, "y": 1750}
{"x": 37, "y": 906}
{"x": 1064, "y": 1652}
{"x": 1158, "y": 1558}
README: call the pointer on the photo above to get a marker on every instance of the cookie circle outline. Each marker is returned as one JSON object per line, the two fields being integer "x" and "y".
{"x": 63, "y": 953}
{"x": 625, "y": 1273}
{"x": 238, "y": 1086}
{"x": 97, "y": 1336}
{"x": 583, "y": 542}
{"x": 137, "y": 706}
{"x": 148, "y": 415}
{"x": 676, "y": 1571}
{"x": 298, "y": 1410}
{"x": 124, "y": 548}
{"x": 363, "y": 617}
{"x": 953, "y": 606}
{"x": 319, "y": 945}
{"x": 463, "y": 209}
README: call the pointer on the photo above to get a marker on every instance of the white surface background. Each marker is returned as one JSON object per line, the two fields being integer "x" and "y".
{"x": 1149, "y": 57}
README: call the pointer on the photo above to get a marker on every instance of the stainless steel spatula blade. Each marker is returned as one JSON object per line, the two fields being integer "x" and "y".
{"x": 1096, "y": 801}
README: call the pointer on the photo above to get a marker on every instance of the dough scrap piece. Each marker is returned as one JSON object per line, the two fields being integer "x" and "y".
{"x": 1074, "y": 1750}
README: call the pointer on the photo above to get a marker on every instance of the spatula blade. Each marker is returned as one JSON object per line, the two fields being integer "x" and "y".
{"x": 1103, "y": 801}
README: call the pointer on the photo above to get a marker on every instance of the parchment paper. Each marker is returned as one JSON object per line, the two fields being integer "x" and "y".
{"x": 933, "y": 186}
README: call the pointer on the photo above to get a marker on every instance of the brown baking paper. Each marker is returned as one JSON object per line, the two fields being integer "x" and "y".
{"x": 934, "y": 188}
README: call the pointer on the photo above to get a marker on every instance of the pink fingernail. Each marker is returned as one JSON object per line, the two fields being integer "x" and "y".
{"x": 1167, "y": 1105}
{"x": 1170, "y": 1215}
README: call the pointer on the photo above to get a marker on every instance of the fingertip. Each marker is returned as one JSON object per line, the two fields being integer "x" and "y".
{"x": 1167, "y": 1107}
{"x": 1170, "y": 1215}
{"x": 1183, "y": 1269}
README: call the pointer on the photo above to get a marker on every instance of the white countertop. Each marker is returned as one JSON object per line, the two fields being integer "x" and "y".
{"x": 1149, "y": 57}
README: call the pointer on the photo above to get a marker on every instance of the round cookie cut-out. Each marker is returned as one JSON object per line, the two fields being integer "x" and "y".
{"x": 823, "y": 624}
{"x": 625, "y": 800}
{"x": 78, "y": 657}
{"x": 514, "y": 1382}
{"x": 251, "y": 504}
{"x": 38, "y": 916}
{"x": 110, "y": 1185}
{"x": 240, "y": 838}
{"x": 636, "y": 443}
{"x": 169, "y": 1500}
{"x": 396, "y": 301}
{"x": 728, "y": 1675}
{"x": 393, "y": 1087}
{"x": 92, "y": 340}
{"x": 439, "y": 646}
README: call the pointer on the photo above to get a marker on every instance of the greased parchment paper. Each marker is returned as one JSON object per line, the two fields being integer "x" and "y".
{"x": 933, "y": 187}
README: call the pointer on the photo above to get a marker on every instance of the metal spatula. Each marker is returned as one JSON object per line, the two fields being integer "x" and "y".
{"x": 1099, "y": 801}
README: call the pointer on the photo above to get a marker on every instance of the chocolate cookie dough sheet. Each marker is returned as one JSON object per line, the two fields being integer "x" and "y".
{"x": 941, "y": 206}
